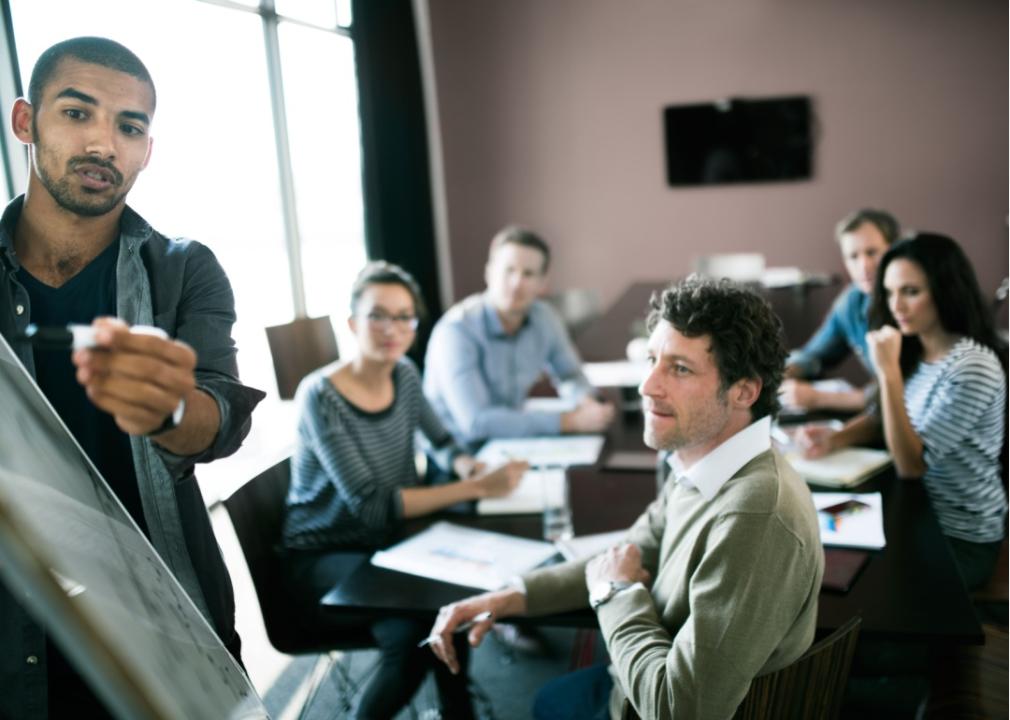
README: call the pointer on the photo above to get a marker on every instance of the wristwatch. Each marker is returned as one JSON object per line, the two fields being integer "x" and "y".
{"x": 172, "y": 421}
{"x": 602, "y": 592}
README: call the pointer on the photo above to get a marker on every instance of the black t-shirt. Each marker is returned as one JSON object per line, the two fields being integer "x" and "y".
{"x": 89, "y": 294}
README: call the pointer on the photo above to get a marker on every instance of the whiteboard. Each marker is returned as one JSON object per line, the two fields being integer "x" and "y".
{"x": 71, "y": 554}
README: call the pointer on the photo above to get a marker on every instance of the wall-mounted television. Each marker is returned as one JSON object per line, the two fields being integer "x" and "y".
{"x": 739, "y": 140}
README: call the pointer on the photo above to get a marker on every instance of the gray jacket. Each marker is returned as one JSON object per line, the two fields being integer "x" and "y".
{"x": 179, "y": 286}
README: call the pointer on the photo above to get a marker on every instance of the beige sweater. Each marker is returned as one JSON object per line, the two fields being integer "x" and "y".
{"x": 734, "y": 596}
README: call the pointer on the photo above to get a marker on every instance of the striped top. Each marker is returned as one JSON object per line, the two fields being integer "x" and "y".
{"x": 350, "y": 464}
{"x": 957, "y": 406}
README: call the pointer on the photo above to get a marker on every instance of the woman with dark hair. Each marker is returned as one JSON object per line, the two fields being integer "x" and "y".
{"x": 354, "y": 478}
{"x": 942, "y": 375}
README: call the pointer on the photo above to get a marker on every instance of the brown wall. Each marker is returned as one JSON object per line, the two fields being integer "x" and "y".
{"x": 551, "y": 115}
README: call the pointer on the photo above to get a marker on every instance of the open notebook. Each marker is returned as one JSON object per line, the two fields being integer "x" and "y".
{"x": 842, "y": 468}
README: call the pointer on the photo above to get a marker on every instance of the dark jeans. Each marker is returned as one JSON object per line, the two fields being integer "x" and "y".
{"x": 580, "y": 695}
{"x": 976, "y": 561}
{"x": 402, "y": 665}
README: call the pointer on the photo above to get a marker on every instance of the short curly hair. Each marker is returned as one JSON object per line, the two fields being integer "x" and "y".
{"x": 747, "y": 338}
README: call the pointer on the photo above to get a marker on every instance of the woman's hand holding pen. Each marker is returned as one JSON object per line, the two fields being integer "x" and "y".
{"x": 814, "y": 440}
{"x": 499, "y": 481}
{"x": 466, "y": 466}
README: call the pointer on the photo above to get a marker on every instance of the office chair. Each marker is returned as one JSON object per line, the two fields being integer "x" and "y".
{"x": 811, "y": 687}
{"x": 257, "y": 513}
{"x": 299, "y": 347}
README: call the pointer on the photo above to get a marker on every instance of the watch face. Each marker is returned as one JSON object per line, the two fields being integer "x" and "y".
{"x": 600, "y": 591}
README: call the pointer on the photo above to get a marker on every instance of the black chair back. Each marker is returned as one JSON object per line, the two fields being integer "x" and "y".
{"x": 257, "y": 514}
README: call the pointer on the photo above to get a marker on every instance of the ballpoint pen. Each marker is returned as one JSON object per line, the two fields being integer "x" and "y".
{"x": 462, "y": 627}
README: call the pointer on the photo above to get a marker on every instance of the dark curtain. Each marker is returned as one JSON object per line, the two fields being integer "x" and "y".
{"x": 399, "y": 221}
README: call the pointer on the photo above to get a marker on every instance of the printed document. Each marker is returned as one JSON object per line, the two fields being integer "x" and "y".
{"x": 863, "y": 529}
{"x": 464, "y": 556}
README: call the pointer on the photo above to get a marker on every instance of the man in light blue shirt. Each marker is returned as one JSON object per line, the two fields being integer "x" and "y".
{"x": 863, "y": 237}
{"x": 488, "y": 350}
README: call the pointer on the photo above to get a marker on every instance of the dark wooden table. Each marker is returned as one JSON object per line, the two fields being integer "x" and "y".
{"x": 909, "y": 591}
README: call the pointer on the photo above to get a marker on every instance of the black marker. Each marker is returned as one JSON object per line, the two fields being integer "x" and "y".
{"x": 55, "y": 337}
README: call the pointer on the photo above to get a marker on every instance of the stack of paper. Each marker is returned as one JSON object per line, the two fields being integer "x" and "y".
{"x": 841, "y": 468}
{"x": 860, "y": 530}
{"x": 464, "y": 556}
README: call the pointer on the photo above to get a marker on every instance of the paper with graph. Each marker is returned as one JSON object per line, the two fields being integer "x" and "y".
{"x": 464, "y": 556}
{"x": 95, "y": 582}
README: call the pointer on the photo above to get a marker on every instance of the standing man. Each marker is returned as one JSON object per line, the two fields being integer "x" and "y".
{"x": 863, "y": 237}
{"x": 145, "y": 408}
{"x": 488, "y": 350}
{"x": 718, "y": 580}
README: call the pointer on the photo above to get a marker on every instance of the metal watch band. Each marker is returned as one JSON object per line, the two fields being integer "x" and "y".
{"x": 615, "y": 588}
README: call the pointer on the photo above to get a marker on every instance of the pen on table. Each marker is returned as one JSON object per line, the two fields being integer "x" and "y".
{"x": 462, "y": 627}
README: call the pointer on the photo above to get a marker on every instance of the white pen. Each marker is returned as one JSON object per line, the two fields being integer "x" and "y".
{"x": 462, "y": 627}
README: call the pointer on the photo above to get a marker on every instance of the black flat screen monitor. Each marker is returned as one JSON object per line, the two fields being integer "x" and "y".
{"x": 738, "y": 141}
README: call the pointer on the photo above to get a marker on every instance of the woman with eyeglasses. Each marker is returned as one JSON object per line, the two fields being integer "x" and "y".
{"x": 354, "y": 478}
{"x": 941, "y": 370}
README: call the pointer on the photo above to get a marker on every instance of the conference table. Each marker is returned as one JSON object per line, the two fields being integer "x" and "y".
{"x": 908, "y": 591}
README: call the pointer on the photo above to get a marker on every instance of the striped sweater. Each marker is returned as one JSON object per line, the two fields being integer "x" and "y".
{"x": 350, "y": 464}
{"x": 957, "y": 406}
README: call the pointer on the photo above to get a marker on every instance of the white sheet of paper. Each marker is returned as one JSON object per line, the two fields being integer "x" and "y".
{"x": 585, "y": 546}
{"x": 543, "y": 452}
{"x": 531, "y": 496}
{"x": 860, "y": 530}
{"x": 619, "y": 373}
{"x": 549, "y": 404}
{"x": 464, "y": 556}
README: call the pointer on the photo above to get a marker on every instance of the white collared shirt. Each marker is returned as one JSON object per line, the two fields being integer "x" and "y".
{"x": 709, "y": 474}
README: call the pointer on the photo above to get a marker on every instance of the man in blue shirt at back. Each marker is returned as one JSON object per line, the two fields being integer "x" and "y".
{"x": 863, "y": 237}
{"x": 487, "y": 352}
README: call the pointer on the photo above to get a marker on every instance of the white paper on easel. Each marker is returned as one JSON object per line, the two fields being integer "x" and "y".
{"x": 464, "y": 556}
{"x": 103, "y": 592}
{"x": 535, "y": 489}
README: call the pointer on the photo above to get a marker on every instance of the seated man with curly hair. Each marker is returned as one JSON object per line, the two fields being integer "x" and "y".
{"x": 717, "y": 581}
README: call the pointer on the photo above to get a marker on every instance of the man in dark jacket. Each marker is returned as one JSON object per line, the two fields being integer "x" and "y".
{"x": 144, "y": 406}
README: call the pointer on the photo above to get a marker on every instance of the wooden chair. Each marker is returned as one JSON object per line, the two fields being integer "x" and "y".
{"x": 298, "y": 348}
{"x": 809, "y": 689}
{"x": 257, "y": 513}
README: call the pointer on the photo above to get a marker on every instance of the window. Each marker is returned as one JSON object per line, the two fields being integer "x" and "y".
{"x": 214, "y": 174}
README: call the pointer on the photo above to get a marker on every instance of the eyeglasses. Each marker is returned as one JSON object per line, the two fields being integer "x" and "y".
{"x": 382, "y": 321}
